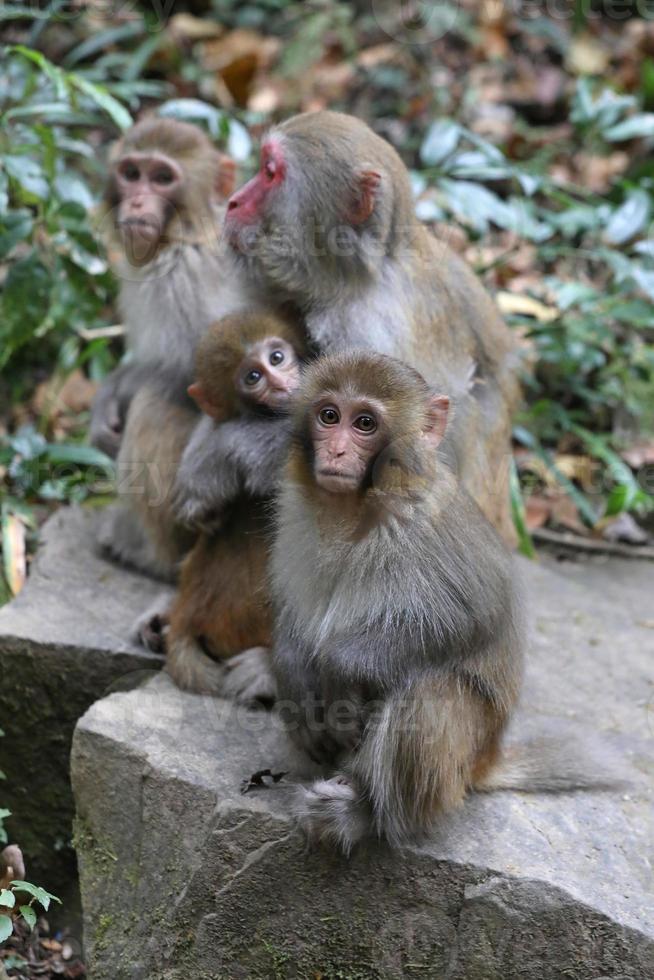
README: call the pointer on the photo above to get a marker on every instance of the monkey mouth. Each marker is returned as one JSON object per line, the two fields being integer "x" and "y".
{"x": 338, "y": 481}
{"x": 141, "y": 227}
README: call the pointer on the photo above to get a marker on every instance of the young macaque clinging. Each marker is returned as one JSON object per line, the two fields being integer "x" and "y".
{"x": 329, "y": 225}
{"x": 163, "y": 209}
{"x": 248, "y": 366}
{"x": 399, "y": 635}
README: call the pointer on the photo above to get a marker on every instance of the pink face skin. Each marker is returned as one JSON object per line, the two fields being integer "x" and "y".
{"x": 269, "y": 374}
{"x": 246, "y": 206}
{"x": 148, "y": 185}
{"x": 347, "y": 435}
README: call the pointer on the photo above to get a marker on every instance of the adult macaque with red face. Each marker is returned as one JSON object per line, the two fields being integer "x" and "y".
{"x": 328, "y": 224}
{"x": 163, "y": 212}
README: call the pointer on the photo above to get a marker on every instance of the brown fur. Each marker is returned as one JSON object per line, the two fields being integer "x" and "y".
{"x": 223, "y": 605}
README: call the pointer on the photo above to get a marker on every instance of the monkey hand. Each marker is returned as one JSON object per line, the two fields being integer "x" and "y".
{"x": 195, "y": 512}
{"x": 249, "y": 679}
{"x": 107, "y": 426}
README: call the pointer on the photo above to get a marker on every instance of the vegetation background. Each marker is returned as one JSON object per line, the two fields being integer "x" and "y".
{"x": 528, "y": 128}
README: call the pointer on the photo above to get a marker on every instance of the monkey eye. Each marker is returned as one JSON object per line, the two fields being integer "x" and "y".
{"x": 276, "y": 357}
{"x": 270, "y": 169}
{"x": 253, "y": 377}
{"x": 365, "y": 423}
{"x": 130, "y": 172}
{"x": 163, "y": 176}
{"x": 329, "y": 416}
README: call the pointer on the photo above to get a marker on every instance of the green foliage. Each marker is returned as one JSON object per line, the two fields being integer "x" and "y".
{"x": 594, "y": 359}
{"x": 57, "y": 280}
{"x": 16, "y": 891}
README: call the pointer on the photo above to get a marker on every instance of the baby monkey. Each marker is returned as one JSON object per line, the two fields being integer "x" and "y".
{"x": 399, "y": 633}
{"x": 248, "y": 366}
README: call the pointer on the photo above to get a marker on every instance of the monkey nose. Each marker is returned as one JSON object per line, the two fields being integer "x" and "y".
{"x": 231, "y": 204}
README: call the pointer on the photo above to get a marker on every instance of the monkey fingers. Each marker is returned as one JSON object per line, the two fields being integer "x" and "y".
{"x": 151, "y": 627}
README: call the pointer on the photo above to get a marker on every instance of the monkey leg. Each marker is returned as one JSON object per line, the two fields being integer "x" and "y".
{"x": 191, "y": 668}
{"x": 419, "y": 755}
{"x": 122, "y": 538}
{"x": 155, "y": 436}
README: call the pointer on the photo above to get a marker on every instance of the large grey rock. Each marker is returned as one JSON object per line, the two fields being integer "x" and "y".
{"x": 184, "y": 877}
{"x": 64, "y": 643}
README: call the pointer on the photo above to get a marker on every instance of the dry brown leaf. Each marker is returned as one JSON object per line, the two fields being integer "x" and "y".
{"x": 186, "y": 27}
{"x": 53, "y": 398}
{"x": 586, "y": 56}
{"x": 13, "y": 552}
{"x": 519, "y": 305}
{"x": 639, "y": 455}
{"x": 380, "y": 54}
{"x": 236, "y": 58}
{"x": 537, "y": 511}
{"x": 564, "y": 514}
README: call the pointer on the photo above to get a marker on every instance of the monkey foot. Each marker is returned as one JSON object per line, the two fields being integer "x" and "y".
{"x": 249, "y": 679}
{"x": 331, "y": 812}
{"x": 151, "y": 627}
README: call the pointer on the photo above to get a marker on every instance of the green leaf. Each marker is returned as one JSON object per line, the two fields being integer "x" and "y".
{"x": 525, "y": 544}
{"x": 99, "y": 94}
{"x": 631, "y": 128}
{"x": 627, "y": 220}
{"x": 193, "y": 110}
{"x": 16, "y": 226}
{"x": 7, "y": 898}
{"x": 28, "y": 914}
{"x": 28, "y": 174}
{"x": 25, "y": 303}
{"x": 442, "y": 139}
{"x": 583, "y": 506}
{"x": 40, "y": 894}
{"x": 82, "y": 454}
{"x": 56, "y": 75}
{"x": 6, "y": 928}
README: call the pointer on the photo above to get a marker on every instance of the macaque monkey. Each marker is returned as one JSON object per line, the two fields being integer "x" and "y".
{"x": 328, "y": 224}
{"x": 398, "y": 649}
{"x": 12, "y": 865}
{"x": 163, "y": 208}
{"x": 248, "y": 366}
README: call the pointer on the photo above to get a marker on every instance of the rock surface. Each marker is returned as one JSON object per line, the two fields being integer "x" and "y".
{"x": 184, "y": 877}
{"x": 64, "y": 643}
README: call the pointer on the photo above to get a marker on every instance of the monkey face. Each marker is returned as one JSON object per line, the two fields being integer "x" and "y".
{"x": 347, "y": 435}
{"x": 247, "y": 208}
{"x": 148, "y": 186}
{"x": 269, "y": 374}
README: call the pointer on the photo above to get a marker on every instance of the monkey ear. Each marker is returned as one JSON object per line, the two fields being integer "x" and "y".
{"x": 196, "y": 392}
{"x": 438, "y": 408}
{"x": 368, "y": 185}
{"x": 226, "y": 176}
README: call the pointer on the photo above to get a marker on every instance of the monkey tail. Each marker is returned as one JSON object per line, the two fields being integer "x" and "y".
{"x": 407, "y": 768}
{"x": 191, "y": 668}
{"x": 547, "y": 765}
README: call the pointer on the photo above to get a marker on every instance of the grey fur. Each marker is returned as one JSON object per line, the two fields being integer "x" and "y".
{"x": 364, "y": 624}
{"x": 223, "y": 461}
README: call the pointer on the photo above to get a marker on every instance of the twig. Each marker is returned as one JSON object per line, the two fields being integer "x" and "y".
{"x": 577, "y": 543}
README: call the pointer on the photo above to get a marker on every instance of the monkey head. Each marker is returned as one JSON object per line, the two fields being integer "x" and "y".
{"x": 247, "y": 361}
{"x": 329, "y": 200}
{"x": 365, "y": 422}
{"x": 164, "y": 177}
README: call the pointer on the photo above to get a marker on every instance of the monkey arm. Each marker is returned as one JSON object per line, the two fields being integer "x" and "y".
{"x": 221, "y": 462}
{"x": 110, "y": 407}
{"x": 207, "y": 479}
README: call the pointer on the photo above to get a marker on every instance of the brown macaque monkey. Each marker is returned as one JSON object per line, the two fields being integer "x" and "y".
{"x": 163, "y": 208}
{"x": 329, "y": 225}
{"x": 12, "y": 865}
{"x": 248, "y": 366}
{"x": 398, "y": 649}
